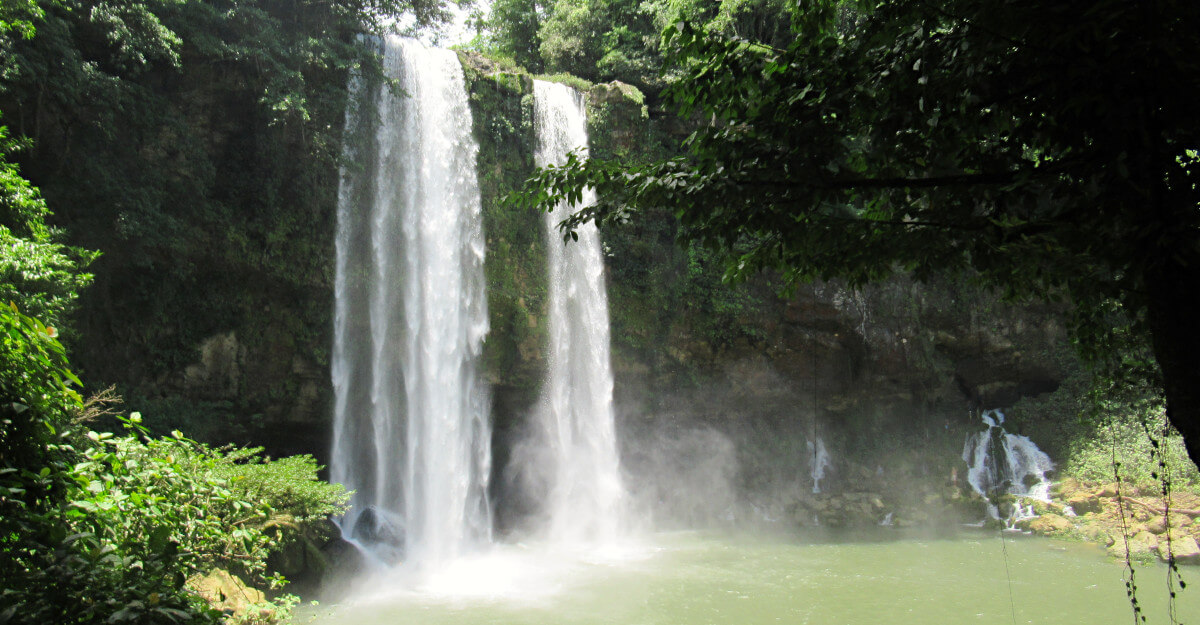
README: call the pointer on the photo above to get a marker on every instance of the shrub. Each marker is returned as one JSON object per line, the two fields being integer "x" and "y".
{"x": 1134, "y": 440}
{"x": 96, "y": 527}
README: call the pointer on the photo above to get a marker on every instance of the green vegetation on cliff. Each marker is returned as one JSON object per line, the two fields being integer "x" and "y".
{"x": 195, "y": 145}
{"x": 949, "y": 138}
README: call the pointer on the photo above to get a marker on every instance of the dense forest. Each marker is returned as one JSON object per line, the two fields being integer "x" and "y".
{"x": 895, "y": 207}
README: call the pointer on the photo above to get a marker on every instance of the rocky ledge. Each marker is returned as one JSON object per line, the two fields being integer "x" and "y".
{"x": 1125, "y": 519}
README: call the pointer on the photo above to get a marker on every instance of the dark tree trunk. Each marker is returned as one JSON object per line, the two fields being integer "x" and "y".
{"x": 1173, "y": 311}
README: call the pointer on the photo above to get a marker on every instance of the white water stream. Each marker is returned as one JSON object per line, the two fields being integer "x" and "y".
{"x": 997, "y": 460}
{"x": 586, "y": 497}
{"x": 818, "y": 461}
{"x": 411, "y": 429}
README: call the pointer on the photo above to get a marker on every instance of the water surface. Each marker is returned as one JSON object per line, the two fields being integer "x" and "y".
{"x": 708, "y": 579}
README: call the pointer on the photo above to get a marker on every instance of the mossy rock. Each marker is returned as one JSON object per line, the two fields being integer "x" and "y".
{"x": 1097, "y": 533}
{"x": 1142, "y": 546}
{"x": 1084, "y": 503}
{"x": 1066, "y": 488}
{"x": 1159, "y": 524}
{"x": 1048, "y": 525}
{"x": 225, "y": 591}
{"x": 1185, "y": 549}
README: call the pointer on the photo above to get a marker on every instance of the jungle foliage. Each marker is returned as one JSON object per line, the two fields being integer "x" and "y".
{"x": 603, "y": 40}
{"x": 196, "y": 146}
{"x": 1046, "y": 150}
{"x": 160, "y": 132}
{"x": 102, "y": 528}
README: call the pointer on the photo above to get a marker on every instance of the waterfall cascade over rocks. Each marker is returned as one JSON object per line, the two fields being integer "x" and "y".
{"x": 999, "y": 462}
{"x": 411, "y": 426}
{"x": 586, "y": 496}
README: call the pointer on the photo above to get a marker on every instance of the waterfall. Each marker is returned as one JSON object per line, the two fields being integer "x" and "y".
{"x": 818, "y": 461}
{"x": 997, "y": 460}
{"x": 411, "y": 432}
{"x": 585, "y": 490}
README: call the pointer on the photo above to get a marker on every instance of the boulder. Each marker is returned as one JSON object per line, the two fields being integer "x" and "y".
{"x": 225, "y": 591}
{"x": 1048, "y": 525}
{"x": 382, "y": 532}
{"x": 1097, "y": 533}
{"x": 1067, "y": 488}
{"x": 1184, "y": 548}
{"x": 218, "y": 373}
{"x": 1049, "y": 507}
{"x": 1084, "y": 503}
{"x": 1156, "y": 526}
{"x": 1141, "y": 545}
{"x": 374, "y": 526}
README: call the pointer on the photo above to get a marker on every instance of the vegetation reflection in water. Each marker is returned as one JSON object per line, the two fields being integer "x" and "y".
{"x": 693, "y": 578}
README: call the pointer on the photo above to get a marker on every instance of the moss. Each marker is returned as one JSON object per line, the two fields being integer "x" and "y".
{"x": 502, "y": 113}
{"x": 574, "y": 82}
{"x": 512, "y": 82}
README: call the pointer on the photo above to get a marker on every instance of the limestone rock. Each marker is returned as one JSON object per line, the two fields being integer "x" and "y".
{"x": 1049, "y": 507}
{"x": 1048, "y": 525}
{"x": 1184, "y": 548}
{"x": 1084, "y": 503}
{"x": 1141, "y": 545}
{"x": 1096, "y": 532}
{"x": 225, "y": 591}
{"x": 1067, "y": 488}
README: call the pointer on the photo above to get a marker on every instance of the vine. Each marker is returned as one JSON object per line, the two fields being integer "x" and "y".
{"x": 1130, "y": 574}
{"x": 1163, "y": 475}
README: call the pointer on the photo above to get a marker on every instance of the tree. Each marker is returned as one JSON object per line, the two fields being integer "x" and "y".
{"x": 618, "y": 39}
{"x": 601, "y": 40}
{"x": 38, "y": 274}
{"x": 1048, "y": 149}
{"x": 512, "y": 28}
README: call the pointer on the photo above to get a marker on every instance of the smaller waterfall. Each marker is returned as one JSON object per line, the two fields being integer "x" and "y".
{"x": 586, "y": 494}
{"x": 1009, "y": 463}
{"x": 818, "y": 461}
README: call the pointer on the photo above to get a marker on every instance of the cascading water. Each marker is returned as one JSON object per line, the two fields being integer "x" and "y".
{"x": 586, "y": 495}
{"x": 411, "y": 432}
{"x": 999, "y": 461}
{"x": 818, "y": 461}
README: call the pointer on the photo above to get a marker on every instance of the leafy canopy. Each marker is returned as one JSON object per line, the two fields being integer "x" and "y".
{"x": 1046, "y": 148}
{"x": 617, "y": 39}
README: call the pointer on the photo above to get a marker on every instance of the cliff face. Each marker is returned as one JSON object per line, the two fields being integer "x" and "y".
{"x": 739, "y": 384}
{"x": 227, "y": 336}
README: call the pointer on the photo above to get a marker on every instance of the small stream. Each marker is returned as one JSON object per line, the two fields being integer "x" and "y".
{"x": 690, "y": 578}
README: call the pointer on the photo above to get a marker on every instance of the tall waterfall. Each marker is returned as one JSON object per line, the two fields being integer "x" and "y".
{"x": 586, "y": 496}
{"x": 411, "y": 430}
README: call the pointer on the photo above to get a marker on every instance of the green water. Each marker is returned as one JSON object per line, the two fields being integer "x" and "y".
{"x": 704, "y": 579}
